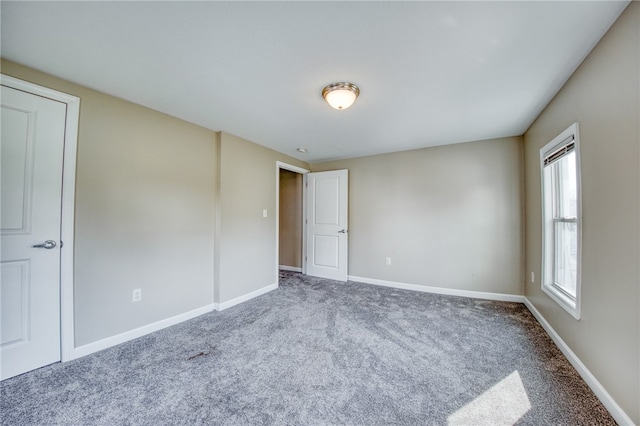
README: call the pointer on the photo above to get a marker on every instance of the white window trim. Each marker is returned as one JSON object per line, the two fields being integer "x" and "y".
{"x": 567, "y": 303}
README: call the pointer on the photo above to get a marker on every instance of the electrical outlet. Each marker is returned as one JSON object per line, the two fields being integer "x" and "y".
{"x": 264, "y": 213}
{"x": 137, "y": 295}
{"x": 387, "y": 261}
{"x": 533, "y": 278}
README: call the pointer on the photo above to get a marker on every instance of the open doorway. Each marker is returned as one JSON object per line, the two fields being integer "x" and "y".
{"x": 311, "y": 222}
{"x": 290, "y": 218}
{"x": 290, "y": 232}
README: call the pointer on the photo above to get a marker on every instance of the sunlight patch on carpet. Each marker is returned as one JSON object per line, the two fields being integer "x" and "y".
{"x": 503, "y": 404}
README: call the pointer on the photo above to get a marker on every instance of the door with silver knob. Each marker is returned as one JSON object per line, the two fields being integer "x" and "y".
{"x": 31, "y": 190}
{"x": 327, "y": 244}
{"x": 49, "y": 244}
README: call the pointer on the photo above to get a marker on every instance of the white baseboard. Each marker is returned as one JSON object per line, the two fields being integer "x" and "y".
{"x": 138, "y": 332}
{"x": 289, "y": 268}
{"x": 233, "y": 302}
{"x": 618, "y": 413}
{"x": 159, "y": 325}
{"x": 439, "y": 290}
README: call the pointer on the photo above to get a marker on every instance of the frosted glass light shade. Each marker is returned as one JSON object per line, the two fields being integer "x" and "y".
{"x": 340, "y": 95}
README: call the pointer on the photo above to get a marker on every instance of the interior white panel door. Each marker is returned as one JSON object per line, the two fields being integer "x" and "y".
{"x": 327, "y": 228}
{"x": 31, "y": 157}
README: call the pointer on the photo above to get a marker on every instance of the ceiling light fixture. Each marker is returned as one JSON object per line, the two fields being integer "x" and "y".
{"x": 340, "y": 95}
{"x": 302, "y": 149}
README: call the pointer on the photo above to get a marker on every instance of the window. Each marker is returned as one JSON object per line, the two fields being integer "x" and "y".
{"x": 560, "y": 170}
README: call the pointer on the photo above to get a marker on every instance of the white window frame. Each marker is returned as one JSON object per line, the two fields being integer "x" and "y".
{"x": 566, "y": 301}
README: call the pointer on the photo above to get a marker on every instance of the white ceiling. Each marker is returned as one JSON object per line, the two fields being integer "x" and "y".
{"x": 430, "y": 73}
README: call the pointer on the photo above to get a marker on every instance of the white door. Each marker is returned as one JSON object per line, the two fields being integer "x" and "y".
{"x": 32, "y": 148}
{"x": 327, "y": 230}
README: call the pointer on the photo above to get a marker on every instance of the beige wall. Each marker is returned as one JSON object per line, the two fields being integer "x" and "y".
{"x": 290, "y": 247}
{"x": 448, "y": 216}
{"x": 247, "y": 256}
{"x": 144, "y": 212}
{"x": 603, "y": 97}
{"x": 166, "y": 206}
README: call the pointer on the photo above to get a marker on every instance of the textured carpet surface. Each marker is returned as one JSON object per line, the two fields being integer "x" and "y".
{"x": 318, "y": 352}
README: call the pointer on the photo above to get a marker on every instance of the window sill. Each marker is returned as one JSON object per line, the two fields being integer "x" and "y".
{"x": 569, "y": 305}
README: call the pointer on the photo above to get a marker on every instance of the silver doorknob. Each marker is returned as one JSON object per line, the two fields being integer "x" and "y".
{"x": 49, "y": 244}
{"x": 342, "y": 231}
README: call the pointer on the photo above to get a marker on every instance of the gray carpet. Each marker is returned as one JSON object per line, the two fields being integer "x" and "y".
{"x": 318, "y": 352}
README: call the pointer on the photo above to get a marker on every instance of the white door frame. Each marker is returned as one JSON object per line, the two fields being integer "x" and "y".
{"x": 67, "y": 344}
{"x": 303, "y": 172}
